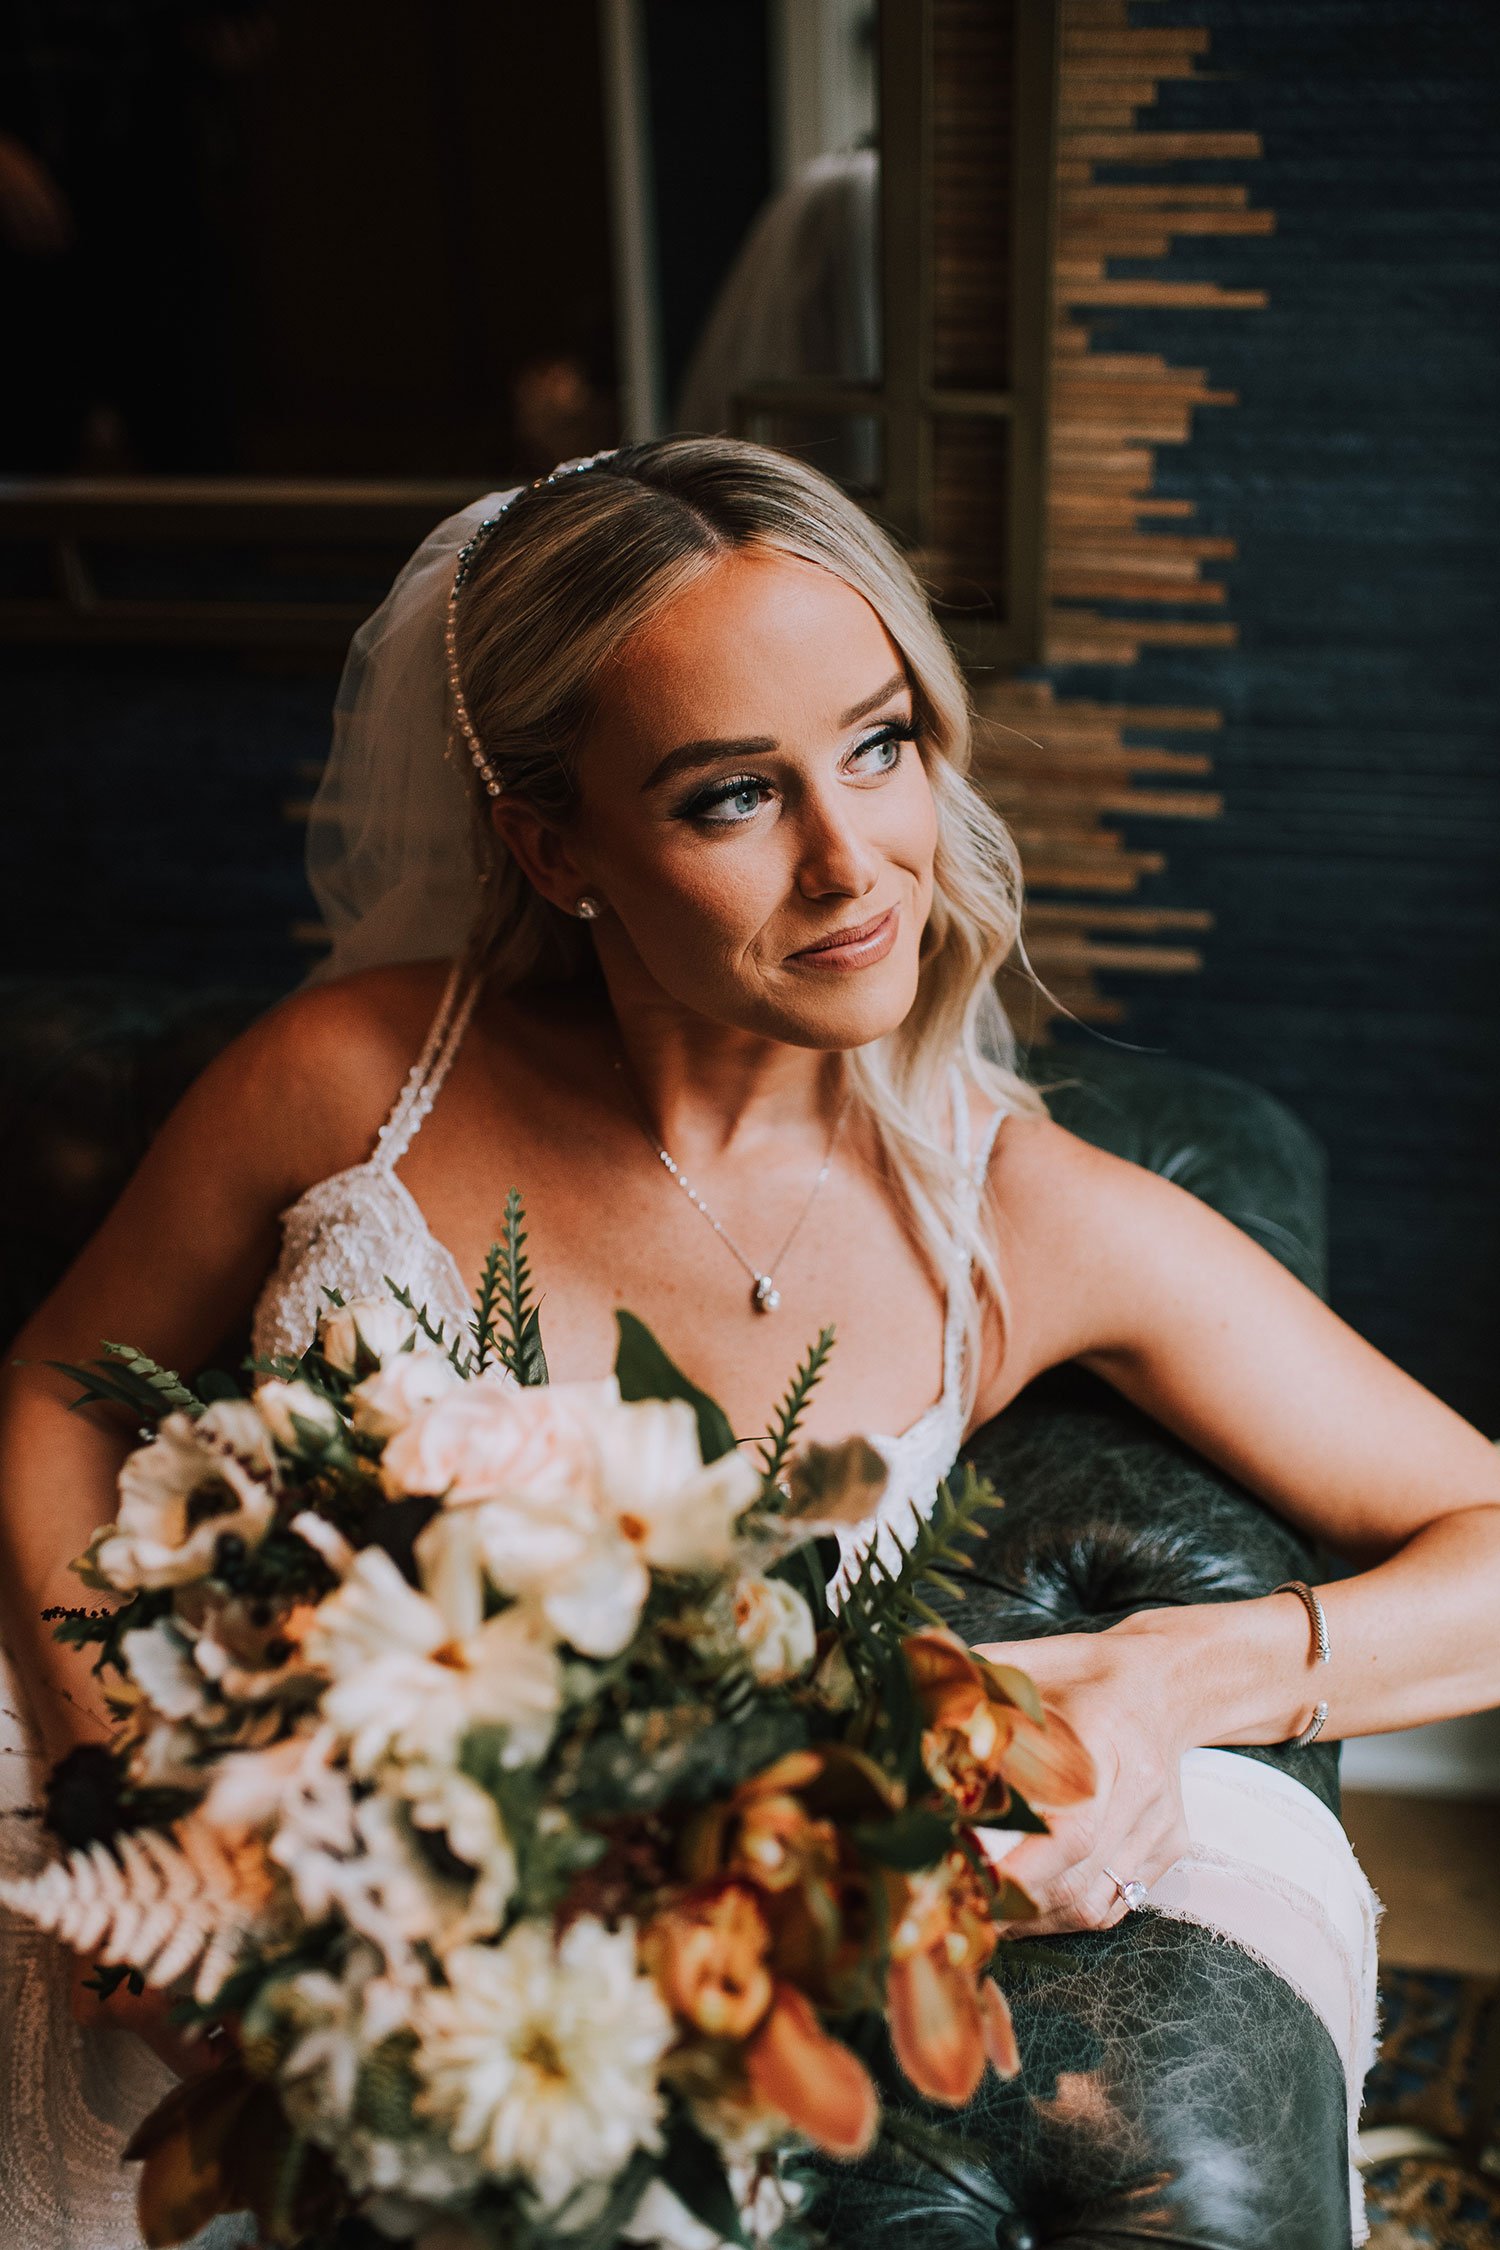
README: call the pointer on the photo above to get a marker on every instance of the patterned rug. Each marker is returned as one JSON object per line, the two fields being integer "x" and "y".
{"x": 1435, "y": 2029}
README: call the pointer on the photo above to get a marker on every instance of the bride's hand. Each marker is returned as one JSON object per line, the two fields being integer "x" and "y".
{"x": 148, "y": 2015}
{"x": 1109, "y": 1689}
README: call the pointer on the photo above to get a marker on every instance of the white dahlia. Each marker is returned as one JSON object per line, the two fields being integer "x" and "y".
{"x": 540, "y": 2057}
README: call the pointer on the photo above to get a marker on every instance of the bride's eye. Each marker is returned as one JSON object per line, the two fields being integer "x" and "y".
{"x": 889, "y": 740}
{"x": 728, "y": 803}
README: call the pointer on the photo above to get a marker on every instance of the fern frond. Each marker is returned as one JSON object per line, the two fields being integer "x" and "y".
{"x": 881, "y": 1600}
{"x": 164, "y": 1381}
{"x": 141, "y": 1386}
{"x": 777, "y": 1442}
{"x": 163, "y": 1903}
{"x": 486, "y": 1309}
{"x": 520, "y": 1343}
{"x": 436, "y": 1332}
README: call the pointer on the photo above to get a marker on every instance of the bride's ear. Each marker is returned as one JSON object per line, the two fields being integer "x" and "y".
{"x": 541, "y": 851}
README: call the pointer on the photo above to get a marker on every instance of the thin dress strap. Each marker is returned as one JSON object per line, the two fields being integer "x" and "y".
{"x": 427, "y": 1073}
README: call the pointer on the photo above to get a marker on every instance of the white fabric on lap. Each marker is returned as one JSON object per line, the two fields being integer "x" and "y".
{"x": 1270, "y": 1868}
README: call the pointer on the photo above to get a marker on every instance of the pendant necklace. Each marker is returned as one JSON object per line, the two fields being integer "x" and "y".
{"x": 764, "y": 1294}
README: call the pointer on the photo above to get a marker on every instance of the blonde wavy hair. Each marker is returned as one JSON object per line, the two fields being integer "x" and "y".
{"x": 574, "y": 567}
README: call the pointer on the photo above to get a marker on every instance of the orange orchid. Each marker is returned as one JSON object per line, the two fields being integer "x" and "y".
{"x": 986, "y": 1732}
{"x": 708, "y": 1956}
{"x": 947, "y": 2018}
{"x": 817, "y": 2083}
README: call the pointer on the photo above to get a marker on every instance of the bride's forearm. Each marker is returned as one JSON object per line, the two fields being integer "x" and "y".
{"x": 57, "y": 1485}
{"x": 1412, "y": 1639}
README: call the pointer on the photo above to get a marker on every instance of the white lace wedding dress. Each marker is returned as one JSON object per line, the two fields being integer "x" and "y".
{"x": 1269, "y": 1866}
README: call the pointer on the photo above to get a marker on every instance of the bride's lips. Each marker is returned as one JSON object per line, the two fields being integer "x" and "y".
{"x": 856, "y": 947}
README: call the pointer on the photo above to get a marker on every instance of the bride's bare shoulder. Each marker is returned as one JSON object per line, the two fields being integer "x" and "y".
{"x": 315, "y": 1076}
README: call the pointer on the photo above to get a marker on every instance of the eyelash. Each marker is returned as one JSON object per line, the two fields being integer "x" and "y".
{"x": 700, "y": 807}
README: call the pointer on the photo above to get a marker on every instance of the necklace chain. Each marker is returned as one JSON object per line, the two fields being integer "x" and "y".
{"x": 765, "y": 1296}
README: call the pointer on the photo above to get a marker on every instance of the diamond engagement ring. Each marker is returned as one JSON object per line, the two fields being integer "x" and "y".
{"x": 1134, "y": 1894}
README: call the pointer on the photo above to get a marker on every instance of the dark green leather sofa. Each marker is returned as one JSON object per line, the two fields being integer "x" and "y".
{"x": 1174, "y": 2090}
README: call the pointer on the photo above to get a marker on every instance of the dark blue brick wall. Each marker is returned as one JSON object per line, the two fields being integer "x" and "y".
{"x": 1355, "y": 967}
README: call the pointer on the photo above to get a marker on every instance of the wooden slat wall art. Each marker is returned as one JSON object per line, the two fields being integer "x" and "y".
{"x": 1067, "y": 773}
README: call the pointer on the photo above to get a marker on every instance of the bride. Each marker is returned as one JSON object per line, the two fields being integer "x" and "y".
{"x": 691, "y": 936}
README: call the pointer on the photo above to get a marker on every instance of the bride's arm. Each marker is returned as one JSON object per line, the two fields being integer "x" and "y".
{"x": 174, "y": 1268}
{"x": 1186, "y": 1316}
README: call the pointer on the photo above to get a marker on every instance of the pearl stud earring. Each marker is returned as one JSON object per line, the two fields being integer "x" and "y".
{"x": 587, "y": 909}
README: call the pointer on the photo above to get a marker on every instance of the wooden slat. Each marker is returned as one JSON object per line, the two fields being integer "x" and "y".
{"x": 1143, "y": 960}
{"x": 1078, "y": 505}
{"x": 1134, "y": 195}
{"x": 1143, "y": 49}
{"x": 1157, "y": 148}
{"x": 1172, "y": 553}
{"x": 1180, "y": 293}
{"x": 1143, "y": 920}
{"x": 1120, "y": 586}
{"x": 1112, "y": 226}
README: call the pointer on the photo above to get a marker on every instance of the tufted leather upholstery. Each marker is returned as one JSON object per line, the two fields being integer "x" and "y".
{"x": 1174, "y": 2090}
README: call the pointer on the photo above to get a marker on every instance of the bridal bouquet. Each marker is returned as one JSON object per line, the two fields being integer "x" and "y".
{"x": 491, "y": 1772}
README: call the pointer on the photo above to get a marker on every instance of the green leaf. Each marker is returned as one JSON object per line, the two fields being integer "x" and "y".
{"x": 103, "y": 1386}
{"x": 809, "y": 1568}
{"x": 644, "y": 1371}
{"x": 917, "y": 1837}
{"x": 505, "y": 1289}
{"x": 682, "y": 1756}
{"x": 777, "y": 1443}
{"x": 694, "y": 2171}
{"x": 165, "y": 1382}
{"x": 549, "y": 1850}
{"x": 882, "y": 1602}
{"x": 435, "y": 1331}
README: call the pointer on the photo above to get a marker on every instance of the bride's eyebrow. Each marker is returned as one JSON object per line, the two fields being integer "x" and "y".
{"x": 712, "y": 750}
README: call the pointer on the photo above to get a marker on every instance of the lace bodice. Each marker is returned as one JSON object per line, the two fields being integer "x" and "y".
{"x": 350, "y": 1231}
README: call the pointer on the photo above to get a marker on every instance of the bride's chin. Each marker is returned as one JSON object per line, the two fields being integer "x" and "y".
{"x": 855, "y": 1013}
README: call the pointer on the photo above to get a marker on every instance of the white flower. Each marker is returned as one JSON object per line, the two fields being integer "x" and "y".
{"x": 675, "y": 1512}
{"x": 541, "y": 2055}
{"x": 279, "y": 1402}
{"x": 486, "y": 1441}
{"x": 366, "y": 1328}
{"x": 386, "y": 1401}
{"x": 199, "y": 1478}
{"x": 294, "y": 1784}
{"x": 159, "y": 1659}
{"x": 660, "y": 2222}
{"x": 642, "y": 1499}
{"x": 660, "y": 1507}
{"x": 411, "y": 1673}
{"x": 335, "y": 2021}
{"x": 441, "y": 1798}
{"x": 774, "y": 1627}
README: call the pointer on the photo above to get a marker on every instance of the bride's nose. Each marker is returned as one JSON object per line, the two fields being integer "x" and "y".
{"x": 836, "y": 857}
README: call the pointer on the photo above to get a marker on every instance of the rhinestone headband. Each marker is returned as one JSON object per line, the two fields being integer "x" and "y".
{"x": 463, "y": 724}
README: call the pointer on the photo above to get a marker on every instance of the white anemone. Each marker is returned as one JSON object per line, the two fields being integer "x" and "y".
{"x": 199, "y": 1478}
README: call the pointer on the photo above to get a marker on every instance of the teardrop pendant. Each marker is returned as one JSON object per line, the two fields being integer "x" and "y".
{"x": 765, "y": 1296}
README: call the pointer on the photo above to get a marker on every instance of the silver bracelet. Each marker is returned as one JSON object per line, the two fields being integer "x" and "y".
{"x": 1321, "y": 1652}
